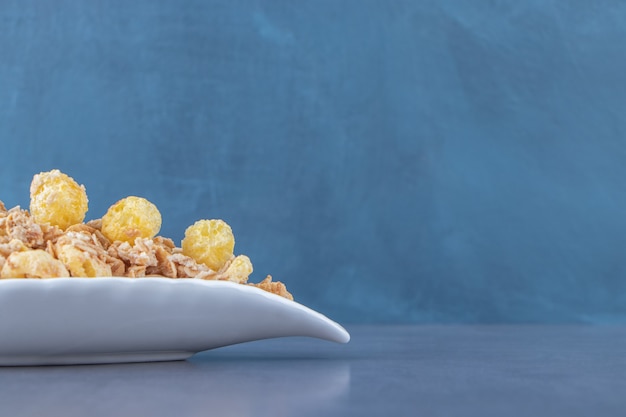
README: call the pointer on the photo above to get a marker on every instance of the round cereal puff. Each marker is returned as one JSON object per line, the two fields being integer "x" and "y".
{"x": 239, "y": 269}
{"x": 130, "y": 218}
{"x": 210, "y": 242}
{"x": 57, "y": 199}
{"x": 82, "y": 263}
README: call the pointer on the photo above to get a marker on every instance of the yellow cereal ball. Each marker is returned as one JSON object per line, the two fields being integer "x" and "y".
{"x": 130, "y": 218}
{"x": 57, "y": 199}
{"x": 210, "y": 242}
{"x": 33, "y": 264}
{"x": 81, "y": 263}
{"x": 239, "y": 269}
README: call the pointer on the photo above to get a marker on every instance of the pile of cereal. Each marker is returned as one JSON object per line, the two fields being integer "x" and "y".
{"x": 52, "y": 241}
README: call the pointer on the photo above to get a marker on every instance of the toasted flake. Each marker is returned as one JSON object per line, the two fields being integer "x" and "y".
{"x": 187, "y": 267}
{"x": 277, "y": 287}
{"x": 18, "y": 224}
{"x": 164, "y": 267}
{"x": 139, "y": 254}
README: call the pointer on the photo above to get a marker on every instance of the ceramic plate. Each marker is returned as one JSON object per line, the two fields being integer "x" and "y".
{"x": 107, "y": 320}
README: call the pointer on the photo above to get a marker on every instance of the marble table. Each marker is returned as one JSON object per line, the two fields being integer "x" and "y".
{"x": 385, "y": 370}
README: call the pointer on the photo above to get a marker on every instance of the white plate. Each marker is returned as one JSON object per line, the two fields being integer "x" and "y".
{"x": 107, "y": 320}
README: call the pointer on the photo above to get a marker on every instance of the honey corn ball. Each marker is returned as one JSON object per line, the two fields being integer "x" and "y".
{"x": 239, "y": 269}
{"x": 82, "y": 264}
{"x": 33, "y": 264}
{"x": 130, "y": 218}
{"x": 57, "y": 199}
{"x": 209, "y": 242}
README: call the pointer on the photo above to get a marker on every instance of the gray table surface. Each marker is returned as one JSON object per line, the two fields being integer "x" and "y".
{"x": 384, "y": 370}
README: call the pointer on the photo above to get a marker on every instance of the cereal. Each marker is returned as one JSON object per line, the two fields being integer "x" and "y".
{"x": 86, "y": 228}
{"x": 187, "y": 267}
{"x": 52, "y": 241}
{"x": 139, "y": 254}
{"x": 82, "y": 255}
{"x": 35, "y": 263}
{"x": 131, "y": 218}
{"x": 276, "y": 287}
{"x": 18, "y": 224}
{"x": 210, "y": 242}
{"x": 82, "y": 264}
{"x": 165, "y": 267}
{"x": 6, "y": 249}
{"x": 238, "y": 269}
{"x": 15, "y": 245}
{"x": 57, "y": 199}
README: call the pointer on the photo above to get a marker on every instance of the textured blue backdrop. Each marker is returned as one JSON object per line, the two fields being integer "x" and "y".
{"x": 389, "y": 160}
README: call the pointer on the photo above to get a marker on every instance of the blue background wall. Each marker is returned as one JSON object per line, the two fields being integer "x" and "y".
{"x": 403, "y": 161}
